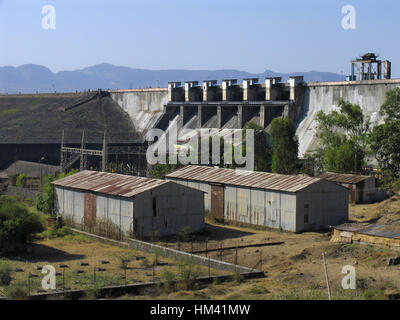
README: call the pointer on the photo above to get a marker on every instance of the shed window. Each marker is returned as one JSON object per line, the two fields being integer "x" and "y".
{"x": 306, "y": 206}
{"x": 306, "y": 218}
{"x": 154, "y": 207}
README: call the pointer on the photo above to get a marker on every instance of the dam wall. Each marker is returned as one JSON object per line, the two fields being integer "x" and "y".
{"x": 369, "y": 95}
{"x": 144, "y": 106}
{"x": 150, "y": 107}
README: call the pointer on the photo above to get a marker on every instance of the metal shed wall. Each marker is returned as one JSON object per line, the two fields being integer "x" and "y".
{"x": 260, "y": 207}
{"x": 168, "y": 209}
{"x": 205, "y": 187}
{"x": 116, "y": 209}
{"x": 70, "y": 203}
{"x": 325, "y": 203}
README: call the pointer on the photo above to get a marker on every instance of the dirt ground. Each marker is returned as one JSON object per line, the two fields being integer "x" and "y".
{"x": 72, "y": 250}
{"x": 385, "y": 212}
{"x": 294, "y": 269}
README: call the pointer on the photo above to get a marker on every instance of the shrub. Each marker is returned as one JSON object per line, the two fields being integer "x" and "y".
{"x": 21, "y": 181}
{"x": 186, "y": 233}
{"x": 186, "y": 274}
{"x": 5, "y": 274}
{"x": 17, "y": 225}
{"x": 55, "y": 232}
{"x": 107, "y": 228}
{"x": 16, "y": 293}
{"x": 237, "y": 277}
{"x": 167, "y": 279}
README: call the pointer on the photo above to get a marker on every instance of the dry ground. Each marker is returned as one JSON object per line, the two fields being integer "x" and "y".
{"x": 294, "y": 270}
{"x": 385, "y": 212}
{"x": 74, "y": 249}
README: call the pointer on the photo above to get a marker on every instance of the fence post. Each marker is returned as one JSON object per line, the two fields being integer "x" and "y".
{"x": 209, "y": 267}
{"x": 326, "y": 276}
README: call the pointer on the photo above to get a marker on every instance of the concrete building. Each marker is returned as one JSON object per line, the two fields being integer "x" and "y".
{"x": 139, "y": 206}
{"x": 293, "y": 203}
{"x": 362, "y": 189}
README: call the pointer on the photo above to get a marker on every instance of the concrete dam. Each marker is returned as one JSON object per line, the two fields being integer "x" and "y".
{"x": 230, "y": 105}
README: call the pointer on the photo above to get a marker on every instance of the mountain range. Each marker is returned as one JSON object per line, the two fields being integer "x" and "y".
{"x": 31, "y": 78}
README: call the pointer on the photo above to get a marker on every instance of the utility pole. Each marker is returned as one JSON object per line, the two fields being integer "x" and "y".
{"x": 105, "y": 153}
{"x": 83, "y": 154}
{"x": 62, "y": 160}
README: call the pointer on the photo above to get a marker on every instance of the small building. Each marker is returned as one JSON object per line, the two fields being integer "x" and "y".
{"x": 294, "y": 203}
{"x": 367, "y": 233}
{"x": 362, "y": 189}
{"x": 139, "y": 207}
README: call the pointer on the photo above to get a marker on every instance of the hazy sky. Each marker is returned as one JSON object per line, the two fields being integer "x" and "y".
{"x": 251, "y": 35}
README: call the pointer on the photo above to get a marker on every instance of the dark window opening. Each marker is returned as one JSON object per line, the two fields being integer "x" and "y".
{"x": 306, "y": 206}
{"x": 154, "y": 207}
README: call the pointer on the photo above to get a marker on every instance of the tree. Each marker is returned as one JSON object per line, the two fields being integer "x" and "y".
{"x": 262, "y": 151}
{"x": 390, "y": 108}
{"x": 384, "y": 140}
{"x": 17, "y": 226}
{"x": 284, "y": 146}
{"x": 45, "y": 200}
{"x": 159, "y": 170}
{"x": 342, "y": 135}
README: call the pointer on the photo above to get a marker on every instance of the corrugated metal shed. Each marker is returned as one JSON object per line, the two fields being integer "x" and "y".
{"x": 343, "y": 177}
{"x": 260, "y": 180}
{"x": 109, "y": 183}
{"x": 377, "y": 230}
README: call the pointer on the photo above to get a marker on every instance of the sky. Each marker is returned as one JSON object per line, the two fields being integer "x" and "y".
{"x": 251, "y": 35}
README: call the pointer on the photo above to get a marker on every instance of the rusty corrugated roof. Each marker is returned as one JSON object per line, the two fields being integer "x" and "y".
{"x": 109, "y": 183}
{"x": 379, "y": 230}
{"x": 253, "y": 179}
{"x": 343, "y": 177}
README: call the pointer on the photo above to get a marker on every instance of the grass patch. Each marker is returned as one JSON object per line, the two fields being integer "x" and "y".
{"x": 8, "y": 112}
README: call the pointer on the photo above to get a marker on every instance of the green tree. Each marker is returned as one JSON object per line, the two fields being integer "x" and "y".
{"x": 284, "y": 146}
{"x": 384, "y": 140}
{"x": 158, "y": 171}
{"x": 340, "y": 134}
{"x": 21, "y": 181}
{"x": 17, "y": 225}
{"x": 262, "y": 151}
{"x": 45, "y": 200}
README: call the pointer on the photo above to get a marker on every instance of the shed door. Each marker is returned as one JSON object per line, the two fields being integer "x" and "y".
{"x": 90, "y": 209}
{"x": 217, "y": 201}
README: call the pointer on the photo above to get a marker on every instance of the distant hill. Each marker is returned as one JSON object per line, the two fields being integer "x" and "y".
{"x": 30, "y": 78}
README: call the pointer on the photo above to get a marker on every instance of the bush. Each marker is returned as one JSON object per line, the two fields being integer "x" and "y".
{"x": 16, "y": 293}
{"x": 55, "y": 232}
{"x": 186, "y": 274}
{"x": 21, "y": 181}
{"x": 17, "y": 226}
{"x": 167, "y": 279}
{"x": 237, "y": 277}
{"x": 5, "y": 274}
